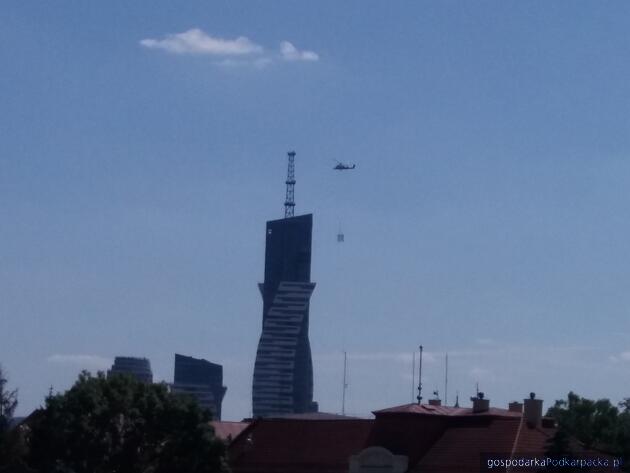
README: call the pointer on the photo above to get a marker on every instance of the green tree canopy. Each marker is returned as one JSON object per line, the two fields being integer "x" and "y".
{"x": 8, "y": 403}
{"x": 592, "y": 422}
{"x": 121, "y": 425}
{"x": 11, "y": 445}
{"x": 595, "y": 424}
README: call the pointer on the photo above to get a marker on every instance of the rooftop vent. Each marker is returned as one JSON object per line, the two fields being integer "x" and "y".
{"x": 515, "y": 406}
{"x": 435, "y": 402}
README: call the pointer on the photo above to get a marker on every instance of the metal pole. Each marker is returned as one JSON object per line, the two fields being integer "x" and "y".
{"x": 420, "y": 378}
{"x": 413, "y": 375}
{"x": 345, "y": 384}
{"x": 446, "y": 383}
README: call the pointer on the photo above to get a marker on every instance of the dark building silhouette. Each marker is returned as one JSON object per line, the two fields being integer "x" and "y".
{"x": 283, "y": 372}
{"x": 139, "y": 368}
{"x": 202, "y": 380}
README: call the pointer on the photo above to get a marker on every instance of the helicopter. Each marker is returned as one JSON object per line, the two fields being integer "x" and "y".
{"x": 344, "y": 167}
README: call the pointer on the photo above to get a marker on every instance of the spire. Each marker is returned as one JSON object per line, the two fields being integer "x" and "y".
{"x": 289, "y": 201}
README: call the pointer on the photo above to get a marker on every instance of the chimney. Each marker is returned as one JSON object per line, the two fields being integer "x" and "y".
{"x": 532, "y": 410}
{"x": 480, "y": 404}
{"x": 515, "y": 406}
{"x": 435, "y": 402}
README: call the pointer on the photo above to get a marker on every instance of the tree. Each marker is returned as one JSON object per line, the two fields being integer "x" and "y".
{"x": 623, "y": 431}
{"x": 11, "y": 445}
{"x": 8, "y": 403}
{"x": 595, "y": 424}
{"x": 118, "y": 424}
{"x": 592, "y": 422}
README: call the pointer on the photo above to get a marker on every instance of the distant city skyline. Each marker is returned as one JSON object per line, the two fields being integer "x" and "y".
{"x": 144, "y": 146}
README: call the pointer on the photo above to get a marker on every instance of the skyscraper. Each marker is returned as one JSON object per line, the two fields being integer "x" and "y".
{"x": 139, "y": 368}
{"x": 202, "y": 380}
{"x": 283, "y": 372}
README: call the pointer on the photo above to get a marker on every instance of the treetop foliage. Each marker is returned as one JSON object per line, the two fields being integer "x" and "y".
{"x": 118, "y": 424}
{"x": 8, "y": 403}
{"x": 596, "y": 425}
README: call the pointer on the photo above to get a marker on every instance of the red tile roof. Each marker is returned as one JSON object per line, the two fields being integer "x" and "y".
{"x": 460, "y": 449}
{"x": 533, "y": 439}
{"x": 314, "y": 416}
{"x": 425, "y": 409}
{"x": 228, "y": 431}
{"x": 298, "y": 445}
{"x": 413, "y": 429}
{"x": 409, "y": 435}
{"x": 435, "y": 439}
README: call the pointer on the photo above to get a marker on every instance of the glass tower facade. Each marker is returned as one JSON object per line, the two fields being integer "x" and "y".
{"x": 139, "y": 368}
{"x": 202, "y": 380}
{"x": 283, "y": 372}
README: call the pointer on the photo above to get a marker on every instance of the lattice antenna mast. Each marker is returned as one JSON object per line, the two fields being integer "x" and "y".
{"x": 289, "y": 201}
{"x": 419, "y": 397}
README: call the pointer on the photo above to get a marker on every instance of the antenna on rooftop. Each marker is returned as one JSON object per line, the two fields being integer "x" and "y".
{"x": 345, "y": 383}
{"x": 419, "y": 397}
{"x": 446, "y": 381}
{"x": 413, "y": 375}
{"x": 289, "y": 201}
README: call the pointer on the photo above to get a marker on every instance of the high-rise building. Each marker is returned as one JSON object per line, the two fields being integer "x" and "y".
{"x": 283, "y": 372}
{"x": 202, "y": 380}
{"x": 139, "y": 368}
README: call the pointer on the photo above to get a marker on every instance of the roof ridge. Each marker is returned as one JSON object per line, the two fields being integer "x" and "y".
{"x": 516, "y": 439}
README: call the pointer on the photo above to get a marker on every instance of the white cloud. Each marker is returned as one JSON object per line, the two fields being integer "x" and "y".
{"x": 291, "y": 53}
{"x": 620, "y": 357}
{"x": 82, "y": 361}
{"x": 232, "y": 52}
{"x": 196, "y": 41}
{"x": 623, "y": 356}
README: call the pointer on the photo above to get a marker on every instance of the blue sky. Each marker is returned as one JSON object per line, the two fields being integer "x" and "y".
{"x": 144, "y": 147}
